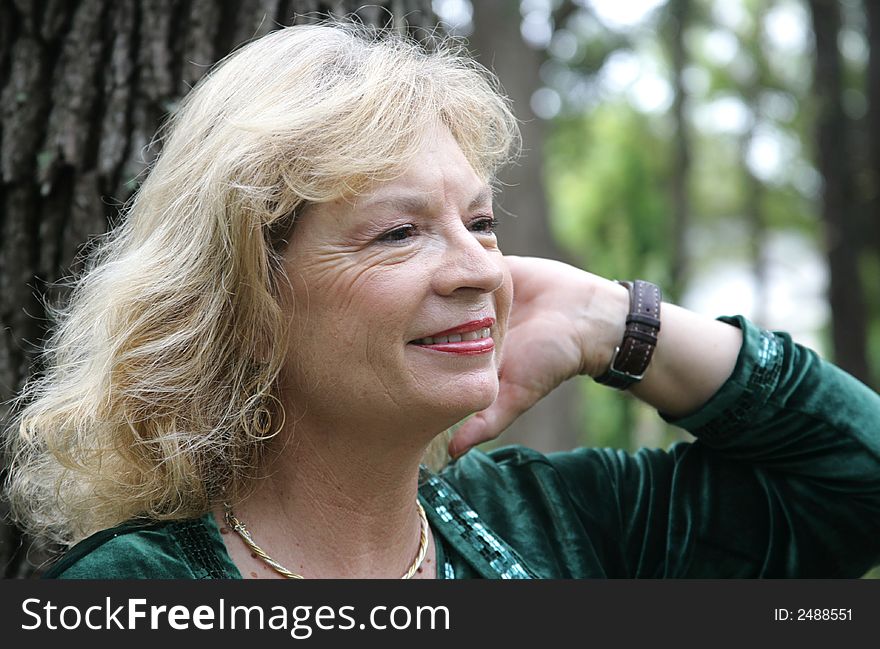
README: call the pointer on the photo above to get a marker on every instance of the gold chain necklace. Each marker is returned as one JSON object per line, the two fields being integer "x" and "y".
{"x": 242, "y": 531}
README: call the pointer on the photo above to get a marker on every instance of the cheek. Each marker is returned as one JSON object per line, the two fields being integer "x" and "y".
{"x": 353, "y": 337}
{"x": 503, "y": 304}
{"x": 358, "y": 310}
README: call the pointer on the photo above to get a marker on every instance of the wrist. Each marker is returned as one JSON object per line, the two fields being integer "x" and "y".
{"x": 633, "y": 354}
{"x": 685, "y": 375}
{"x": 603, "y": 326}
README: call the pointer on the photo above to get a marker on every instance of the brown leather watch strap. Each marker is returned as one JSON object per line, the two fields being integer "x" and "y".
{"x": 632, "y": 357}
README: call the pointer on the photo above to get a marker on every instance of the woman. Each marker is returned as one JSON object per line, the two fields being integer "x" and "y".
{"x": 308, "y": 291}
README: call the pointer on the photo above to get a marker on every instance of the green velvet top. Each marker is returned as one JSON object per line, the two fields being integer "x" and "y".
{"x": 783, "y": 481}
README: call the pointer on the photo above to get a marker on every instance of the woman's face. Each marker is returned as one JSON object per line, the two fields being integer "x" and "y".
{"x": 411, "y": 259}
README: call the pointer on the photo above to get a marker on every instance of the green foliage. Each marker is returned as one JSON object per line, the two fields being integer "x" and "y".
{"x": 607, "y": 178}
{"x": 610, "y": 164}
{"x": 617, "y": 420}
{"x": 607, "y": 182}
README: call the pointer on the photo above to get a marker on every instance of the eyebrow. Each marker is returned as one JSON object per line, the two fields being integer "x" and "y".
{"x": 419, "y": 203}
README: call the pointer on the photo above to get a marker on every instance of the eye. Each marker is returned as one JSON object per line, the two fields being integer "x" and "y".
{"x": 398, "y": 235}
{"x": 485, "y": 225}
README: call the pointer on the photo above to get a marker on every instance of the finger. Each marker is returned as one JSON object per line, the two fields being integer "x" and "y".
{"x": 468, "y": 435}
{"x": 489, "y": 423}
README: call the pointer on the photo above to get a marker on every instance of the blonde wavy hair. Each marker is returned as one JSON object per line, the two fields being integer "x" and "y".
{"x": 163, "y": 362}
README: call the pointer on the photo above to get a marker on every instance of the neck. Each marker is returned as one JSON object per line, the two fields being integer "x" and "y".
{"x": 340, "y": 504}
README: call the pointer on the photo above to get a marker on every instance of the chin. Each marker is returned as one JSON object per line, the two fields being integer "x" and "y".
{"x": 466, "y": 398}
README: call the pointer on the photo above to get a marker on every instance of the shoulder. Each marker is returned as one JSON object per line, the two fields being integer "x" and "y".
{"x": 554, "y": 510}
{"x": 510, "y": 466}
{"x": 186, "y": 549}
{"x": 476, "y": 463}
{"x": 521, "y": 482}
{"x": 514, "y": 478}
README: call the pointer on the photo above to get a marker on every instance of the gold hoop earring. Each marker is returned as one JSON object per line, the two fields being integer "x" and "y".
{"x": 262, "y": 424}
{"x": 262, "y": 420}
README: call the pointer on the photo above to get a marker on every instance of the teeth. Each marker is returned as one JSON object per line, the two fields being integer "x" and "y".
{"x": 455, "y": 338}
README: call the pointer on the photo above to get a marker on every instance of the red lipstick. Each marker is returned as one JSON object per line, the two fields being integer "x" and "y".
{"x": 467, "y": 327}
{"x": 481, "y": 345}
{"x": 464, "y": 348}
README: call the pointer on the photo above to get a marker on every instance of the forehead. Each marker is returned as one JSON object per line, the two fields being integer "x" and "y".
{"x": 439, "y": 172}
{"x": 437, "y": 177}
{"x": 410, "y": 200}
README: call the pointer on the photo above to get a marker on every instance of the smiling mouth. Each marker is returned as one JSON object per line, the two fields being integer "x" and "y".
{"x": 479, "y": 334}
{"x": 473, "y": 330}
{"x": 468, "y": 339}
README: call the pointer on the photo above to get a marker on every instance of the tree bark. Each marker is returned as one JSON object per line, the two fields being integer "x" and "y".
{"x": 839, "y": 207}
{"x": 85, "y": 85}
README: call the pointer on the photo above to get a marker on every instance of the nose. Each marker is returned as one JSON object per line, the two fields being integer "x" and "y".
{"x": 468, "y": 265}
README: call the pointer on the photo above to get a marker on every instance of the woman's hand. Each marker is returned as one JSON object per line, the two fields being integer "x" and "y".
{"x": 563, "y": 322}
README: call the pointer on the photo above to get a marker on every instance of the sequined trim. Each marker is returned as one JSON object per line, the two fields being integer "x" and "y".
{"x": 195, "y": 541}
{"x": 764, "y": 376}
{"x": 499, "y": 559}
{"x": 448, "y": 570}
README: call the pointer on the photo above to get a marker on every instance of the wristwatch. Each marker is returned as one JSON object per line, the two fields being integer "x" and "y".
{"x": 632, "y": 356}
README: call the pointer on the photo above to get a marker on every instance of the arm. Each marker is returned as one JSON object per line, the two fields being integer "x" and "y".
{"x": 565, "y": 321}
{"x": 785, "y": 480}
{"x": 693, "y": 358}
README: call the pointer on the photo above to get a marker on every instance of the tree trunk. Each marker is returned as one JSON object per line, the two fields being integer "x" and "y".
{"x": 757, "y": 229}
{"x": 839, "y": 207}
{"x": 871, "y": 214}
{"x": 554, "y": 423}
{"x": 754, "y": 189}
{"x": 85, "y": 85}
{"x": 872, "y": 84}
{"x": 677, "y": 19}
